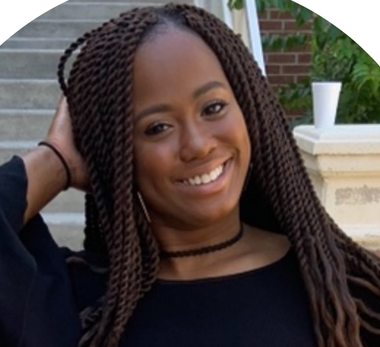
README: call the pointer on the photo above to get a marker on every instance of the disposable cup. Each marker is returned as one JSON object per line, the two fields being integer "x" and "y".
{"x": 325, "y": 103}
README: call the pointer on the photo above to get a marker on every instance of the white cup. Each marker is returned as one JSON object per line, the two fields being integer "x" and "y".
{"x": 325, "y": 103}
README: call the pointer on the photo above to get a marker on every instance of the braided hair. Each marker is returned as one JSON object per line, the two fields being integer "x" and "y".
{"x": 99, "y": 94}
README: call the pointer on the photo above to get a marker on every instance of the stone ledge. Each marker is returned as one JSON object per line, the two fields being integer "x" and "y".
{"x": 344, "y": 165}
{"x": 340, "y": 139}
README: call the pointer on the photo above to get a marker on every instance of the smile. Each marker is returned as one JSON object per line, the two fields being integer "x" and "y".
{"x": 206, "y": 177}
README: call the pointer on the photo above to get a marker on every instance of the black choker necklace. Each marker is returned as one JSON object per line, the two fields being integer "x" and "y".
{"x": 204, "y": 250}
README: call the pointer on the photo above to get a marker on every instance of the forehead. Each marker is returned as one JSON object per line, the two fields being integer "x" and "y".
{"x": 174, "y": 62}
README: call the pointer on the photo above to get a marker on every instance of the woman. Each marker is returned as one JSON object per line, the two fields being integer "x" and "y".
{"x": 202, "y": 227}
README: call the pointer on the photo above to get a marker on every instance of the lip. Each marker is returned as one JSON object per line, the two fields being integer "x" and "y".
{"x": 212, "y": 187}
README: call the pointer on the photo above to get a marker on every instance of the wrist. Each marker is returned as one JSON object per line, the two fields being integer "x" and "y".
{"x": 44, "y": 166}
{"x": 62, "y": 160}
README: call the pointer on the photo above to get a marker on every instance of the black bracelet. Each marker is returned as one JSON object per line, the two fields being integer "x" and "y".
{"x": 62, "y": 159}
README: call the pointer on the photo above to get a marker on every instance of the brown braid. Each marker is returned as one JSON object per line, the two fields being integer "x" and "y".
{"x": 99, "y": 94}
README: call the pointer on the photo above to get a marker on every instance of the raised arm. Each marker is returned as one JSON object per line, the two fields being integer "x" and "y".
{"x": 46, "y": 173}
{"x": 37, "y": 304}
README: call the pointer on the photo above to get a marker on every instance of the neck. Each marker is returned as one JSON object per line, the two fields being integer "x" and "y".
{"x": 177, "y": 240}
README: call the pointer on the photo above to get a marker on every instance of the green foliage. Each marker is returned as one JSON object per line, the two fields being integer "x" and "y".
{"x": 277, "y": 43}
{"x": 335, "y": 57}
{"x": 235, "y": 4}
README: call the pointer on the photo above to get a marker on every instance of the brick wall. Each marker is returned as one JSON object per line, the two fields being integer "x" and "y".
{"x": 288, "y": 66}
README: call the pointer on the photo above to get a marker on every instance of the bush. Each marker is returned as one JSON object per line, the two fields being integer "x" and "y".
{"x": 335, "y": 57}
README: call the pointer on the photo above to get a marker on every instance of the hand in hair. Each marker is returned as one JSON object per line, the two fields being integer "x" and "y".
{"x": 45, "y": 171}
{"x": 60, "y": 135}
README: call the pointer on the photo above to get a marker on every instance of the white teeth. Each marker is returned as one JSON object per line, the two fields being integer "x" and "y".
{"x": 213, "y": 175}
{"x": 205, "y": 178}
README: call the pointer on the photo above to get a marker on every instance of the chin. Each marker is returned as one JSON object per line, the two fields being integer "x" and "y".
{"x": 209, "y": 214}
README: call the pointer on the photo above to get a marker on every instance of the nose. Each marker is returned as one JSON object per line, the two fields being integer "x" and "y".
{"x": 197, "y": 141}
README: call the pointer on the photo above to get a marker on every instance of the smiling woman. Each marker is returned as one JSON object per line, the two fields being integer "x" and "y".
{"x": 202, "y": 227}
{"x": 191, "y": 146}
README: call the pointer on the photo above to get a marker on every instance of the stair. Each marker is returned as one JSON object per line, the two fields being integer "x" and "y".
{"x": 29, "y": 93}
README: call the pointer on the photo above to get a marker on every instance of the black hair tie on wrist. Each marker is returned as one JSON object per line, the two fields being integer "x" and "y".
{"x": 62, "y": 159}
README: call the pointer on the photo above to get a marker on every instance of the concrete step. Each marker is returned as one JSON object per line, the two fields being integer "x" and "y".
{"x": 27, "y": 125}
{"x": 94, "y": 10}
{"x": 68, "y": 201}
{"x": 66, "y": 229}
{"x": 36, "y": 43}
{"x": 102, "y": 10}
{"x": 57, "y": 28}
{"x": 30, "y": 63}
{"x": 10, "y": 148}
{"x": 29, "y": 94}
{"x": 73, "y": 23}
{"x": 71, "y": 201}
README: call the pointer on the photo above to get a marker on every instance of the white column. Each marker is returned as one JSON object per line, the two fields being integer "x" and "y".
{"x": 344, "y": 166}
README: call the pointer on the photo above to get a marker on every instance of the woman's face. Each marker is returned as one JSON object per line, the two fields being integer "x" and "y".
{"x": 191, "y": 143}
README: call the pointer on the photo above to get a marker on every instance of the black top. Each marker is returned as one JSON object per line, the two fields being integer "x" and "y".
{"x": 40, "y": 296}
{"x": 264, "y": 307}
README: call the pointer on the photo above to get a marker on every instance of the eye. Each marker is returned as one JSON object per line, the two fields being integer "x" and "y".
{"x": 156, "y": 128}
{"x": 214, "y": 108}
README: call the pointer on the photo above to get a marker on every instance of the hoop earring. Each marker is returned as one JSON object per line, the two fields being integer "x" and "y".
{"x": 142, "y": 203}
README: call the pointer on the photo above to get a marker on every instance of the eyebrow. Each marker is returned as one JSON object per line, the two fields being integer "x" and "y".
{"x": 208, "y": 86}
{"x": 166, "y": 108}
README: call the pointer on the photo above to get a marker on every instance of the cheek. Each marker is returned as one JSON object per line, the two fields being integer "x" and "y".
{"x": 237, "y": 132}
{"x": 152, "y": 163}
